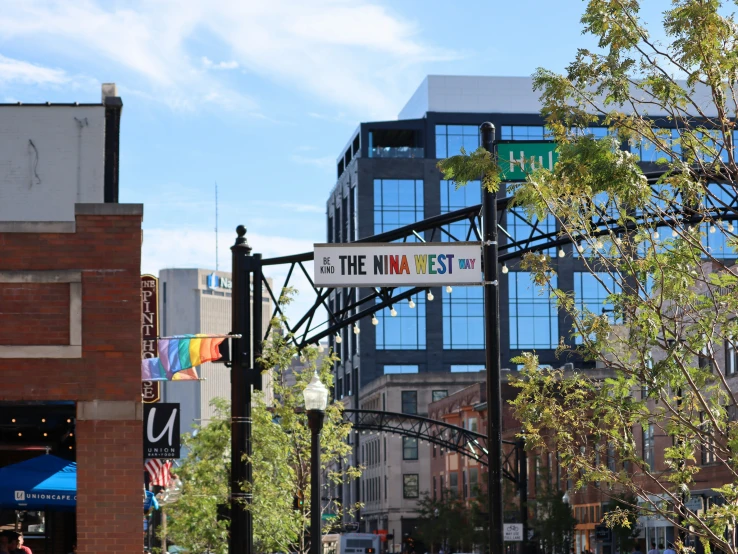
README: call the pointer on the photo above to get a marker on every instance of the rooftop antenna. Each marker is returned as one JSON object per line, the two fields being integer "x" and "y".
{"x": 216, "y": 225}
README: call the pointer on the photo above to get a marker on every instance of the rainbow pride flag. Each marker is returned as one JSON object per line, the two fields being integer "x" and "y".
{"x": 179, "y": 354}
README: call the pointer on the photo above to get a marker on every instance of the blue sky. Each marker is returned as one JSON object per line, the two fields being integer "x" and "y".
{"x": 259, "y": 96}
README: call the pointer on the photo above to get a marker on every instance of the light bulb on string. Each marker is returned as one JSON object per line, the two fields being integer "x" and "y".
{"x": 339, "y": 340}
{"x": 674, "y": 233}
{"x": 356, "y": 329}
{"x": 430, "y": 296}
{"x": 449, "y": 289}
{"x": 580, "y": 247}
{"x": 375, "y": 321}
{"x": 730, "y": 227}
{"x": 656, "y": 235}
{"x": 712, "y": 228}
{"x": 410, "y": 303}
{"x": 505, "y": 269}
{"x": 393, "y": 312}
{"x": 562, "y": 254}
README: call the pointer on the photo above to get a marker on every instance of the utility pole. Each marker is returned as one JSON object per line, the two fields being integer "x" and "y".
{"x": 241, "y": 528}
{"x": 492, "y": 351}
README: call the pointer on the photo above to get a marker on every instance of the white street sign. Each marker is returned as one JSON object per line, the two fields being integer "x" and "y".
{"x": 398, "y": 264}
{"x": 512, "y": 532}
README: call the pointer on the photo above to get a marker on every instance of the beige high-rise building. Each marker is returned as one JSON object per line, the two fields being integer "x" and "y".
{"x": 199, "y": 301}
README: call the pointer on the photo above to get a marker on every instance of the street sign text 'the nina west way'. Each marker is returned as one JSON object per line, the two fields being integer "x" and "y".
{"x": 398, "y": 264}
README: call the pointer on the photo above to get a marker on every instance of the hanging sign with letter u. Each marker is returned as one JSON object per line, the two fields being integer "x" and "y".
{"x": 161, "y": 430}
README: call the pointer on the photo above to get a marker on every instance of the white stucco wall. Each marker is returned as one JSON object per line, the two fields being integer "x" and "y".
{"x": 51, "y": 157}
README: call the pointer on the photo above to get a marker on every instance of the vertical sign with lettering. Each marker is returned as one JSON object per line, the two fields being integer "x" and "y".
{"x": 150, "y": 390}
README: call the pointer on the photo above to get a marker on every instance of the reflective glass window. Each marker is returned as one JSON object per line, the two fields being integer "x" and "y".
{"x": 463, "y": 318}
{"x": 466, "y": 368}
{"x": 398, "y": 369}
{"x": 591, "y": 292}
{"x": 409, "y": 448}
{"x": 450, "y": 139}
{"x": 452, "y": 199}
{"x": 534, "y": 320}
{"x": 524, "y": 132}
{"x": 410, "y": 485}
{"x": 397, "y": 202}
{"x": 409, "y": 402}
{"x": 525, "y": 232}
{"x": 405, "y": 331}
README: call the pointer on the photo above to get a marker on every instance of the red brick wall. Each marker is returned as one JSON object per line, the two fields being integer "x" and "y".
{"x": 37, "y": 313}
{"x": 106, "y": 249}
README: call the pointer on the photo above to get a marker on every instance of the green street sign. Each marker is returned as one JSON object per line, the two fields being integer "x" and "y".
{"x": 517, "y": 159}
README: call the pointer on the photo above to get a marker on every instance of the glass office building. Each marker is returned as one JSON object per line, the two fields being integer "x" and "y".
{"x": 387, "y": 177}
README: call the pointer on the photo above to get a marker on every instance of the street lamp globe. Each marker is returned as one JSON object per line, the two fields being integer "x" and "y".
{"x": 565, "y": 499}
{"x": 315, "y": 394}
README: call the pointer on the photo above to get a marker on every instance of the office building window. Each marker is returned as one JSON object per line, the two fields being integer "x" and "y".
{"x": 437, "y": 395}
{"x": 591, "y": 292}
{"x": 534, "y": 320}
{"x": 648, "y": 445}
{"x": 406, "y": 330}
{"x": 453, "y": 199}
{"x": 466, "y": 368}
{"x": 730, "y": 357}
{"x": 520, "y": 228}
{"x": 716, "y": 243}
{"x": 450, "y": 139}
{"x": 708, "y": 442}
{"x": 523, "y": 132}
{"x": 397, "y": 202}
{"x": 409, "y": 448}
{"x": 410, "y": 402}
{"x": 651, "y": 151}
{"x": 464, "y": 486}
{"x": 471, "y": 424}
{"x": 453, "y": 486}
{"x": 410, "y": 485}
{"x": 473, "y": 482}
{"x": 397, "y": 369}
{"x": 463, "y": 318}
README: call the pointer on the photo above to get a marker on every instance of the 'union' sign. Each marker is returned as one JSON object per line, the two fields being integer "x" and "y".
{"x": 398, "y": 264}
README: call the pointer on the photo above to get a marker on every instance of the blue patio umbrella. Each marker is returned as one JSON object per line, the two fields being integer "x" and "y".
{"x": 43, "y": 483}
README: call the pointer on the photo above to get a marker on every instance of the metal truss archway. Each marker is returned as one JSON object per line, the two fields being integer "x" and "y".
{"x": 459, "y": 225}
{"x": 450, "y": 437}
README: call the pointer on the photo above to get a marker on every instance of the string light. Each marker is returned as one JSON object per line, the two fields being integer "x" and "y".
{"x": 43, "y": 420}
{"x": 449, "y": 289}
{"x": 562, "y": 254}
{"x": 505, "y": 269}
{"x": 20, "y": 434}
{"x": 69, "y": 421}
{"x": 712, "y": 228}
{"x": 599, "y": 245}
{"x": 339, "y": 340}
{"x": 356, "y": 329}
{"x": 393, "y": 312}
{"x": 430, "y": 296}
{"x": 543, "y": 257}
{"x": 674, "y": 233}
{"x": 46, "y": 434}
{"x": 730, "y": 227}
{"x": 410, "y": 303}
{"x": 656, "y": 235}
{"x": 375, "y": 321}
{"x": 13, "y": 420}
{"x": 580, "y": 247}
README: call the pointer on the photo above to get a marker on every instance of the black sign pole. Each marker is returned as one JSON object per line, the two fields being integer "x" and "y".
{"x": 241, "y": 529}
{"x": 492, "y": 350}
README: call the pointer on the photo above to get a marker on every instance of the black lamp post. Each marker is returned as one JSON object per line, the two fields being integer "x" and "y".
{"x": 316, "y": 400}
{"x": 492, "y": 349}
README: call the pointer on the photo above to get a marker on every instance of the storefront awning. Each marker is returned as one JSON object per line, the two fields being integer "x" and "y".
{"x": 43, "y": 483}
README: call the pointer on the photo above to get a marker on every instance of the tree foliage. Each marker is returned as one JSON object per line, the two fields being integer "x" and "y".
{"x": 553, "y": 522}
{"x": 280, "y": 461}
{"x": 655, "y": 237}
{"x": 451, "y": 523}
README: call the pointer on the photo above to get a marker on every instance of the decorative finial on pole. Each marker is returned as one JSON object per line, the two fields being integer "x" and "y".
{"x": 241, "y": 241}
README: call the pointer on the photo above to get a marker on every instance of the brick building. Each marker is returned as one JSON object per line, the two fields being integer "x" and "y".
{"x": 70, "y": 321}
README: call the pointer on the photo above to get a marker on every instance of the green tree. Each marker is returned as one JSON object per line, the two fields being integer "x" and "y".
{"x": 281, "y": 462}
{"x": 669, "y": 342}
{"x": 624, "y": 525}
{"x": 192, "y": 521}
{"x": 446, "y": 523}
{"x": 553, "y": 522}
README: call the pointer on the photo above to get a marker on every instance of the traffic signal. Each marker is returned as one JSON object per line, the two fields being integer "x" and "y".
{"x": 298, "y": 501}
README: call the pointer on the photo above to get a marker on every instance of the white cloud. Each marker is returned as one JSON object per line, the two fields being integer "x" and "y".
{"x": 18, "y": 71}
{"x": 349, "y": 53}
{"x": 209, "y": 64}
